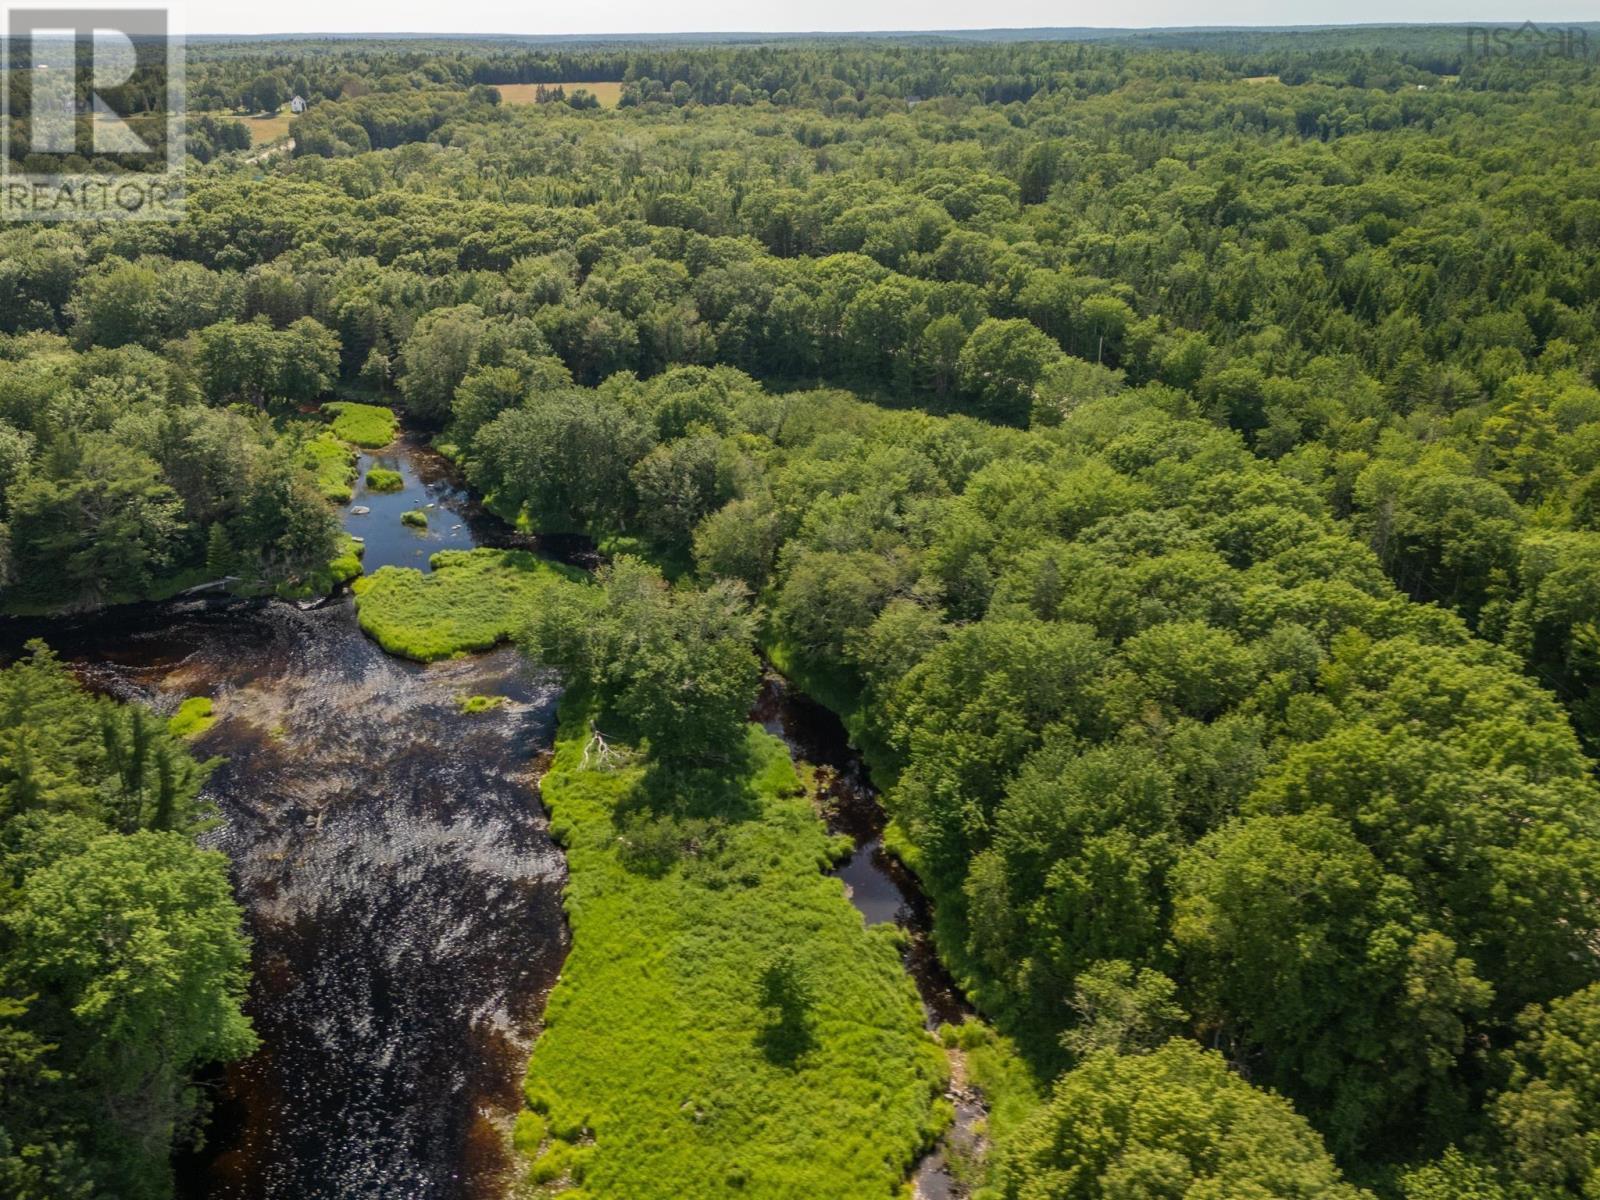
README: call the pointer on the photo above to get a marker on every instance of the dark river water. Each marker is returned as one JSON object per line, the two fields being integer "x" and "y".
{"x": 400, "y": 887}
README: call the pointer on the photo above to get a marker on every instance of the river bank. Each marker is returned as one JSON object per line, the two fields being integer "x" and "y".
{"x": 597, "y": 1076}
{"x": 989, "y": 1085}
{"x": 625, "y": 1027}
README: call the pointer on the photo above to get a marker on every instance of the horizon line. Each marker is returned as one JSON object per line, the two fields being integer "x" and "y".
{"x": 1317, "y": 26}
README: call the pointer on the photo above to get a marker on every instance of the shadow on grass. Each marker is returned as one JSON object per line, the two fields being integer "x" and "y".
{"x": 676, "y": 811}
{"x": 722, "y": 791}
{"x": 786, "y": 1036}
{"x": 650, "y": 844}
{"x": 786, "y": 1039}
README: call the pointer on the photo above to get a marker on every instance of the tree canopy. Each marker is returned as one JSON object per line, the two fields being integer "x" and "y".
{"x": 122, "y": 962}
{"x": 1176, "y": 455}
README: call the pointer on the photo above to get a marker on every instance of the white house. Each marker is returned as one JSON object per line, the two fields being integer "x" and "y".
{"x": 297, "y": 105}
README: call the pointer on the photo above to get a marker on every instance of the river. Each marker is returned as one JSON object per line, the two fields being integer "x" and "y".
{"x": 400, "y": 887}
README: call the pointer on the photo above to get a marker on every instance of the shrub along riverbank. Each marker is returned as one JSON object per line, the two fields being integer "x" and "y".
{"x": 725, "y": 1026}
{"x": 273, "y": 534}
{"x": 333, "y": 463}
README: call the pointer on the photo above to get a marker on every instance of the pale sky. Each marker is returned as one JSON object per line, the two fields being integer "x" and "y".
{"x": 653, "y": 16}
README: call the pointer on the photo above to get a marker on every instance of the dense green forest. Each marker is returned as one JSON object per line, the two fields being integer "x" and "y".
{"x": 122, "y": 963}
{"x": 1179, "y": 462}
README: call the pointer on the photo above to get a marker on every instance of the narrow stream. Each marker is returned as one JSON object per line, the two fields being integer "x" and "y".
{"x": 882, "y": 889}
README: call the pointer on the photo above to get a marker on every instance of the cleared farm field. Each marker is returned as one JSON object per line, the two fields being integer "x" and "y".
{"x": 608, "y": 93}
{"x": 264, "y": 127}
{"x": 268, "y": 127}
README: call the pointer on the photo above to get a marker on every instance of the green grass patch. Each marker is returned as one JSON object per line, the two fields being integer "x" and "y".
{"x": 472, "y": 705}
{"x": 528, "y": 1133}
{"x": 370, "y": 426}
{"x": 192, "y": 718}
{"x": 381, "y": 479}
{"x": 725, "y": 1026}
{"x": 334, "y": 465}
{"x": 416, "y": 518}
{"x": 346, "y": 564}
{"x": 1009, "y": 1086}
{"x": 473, "y": 599}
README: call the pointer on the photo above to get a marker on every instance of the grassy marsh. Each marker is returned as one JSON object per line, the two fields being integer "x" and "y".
{"x": 370, "y": 426}
{"x": 381, "y": 479}
{"x": 472, "y": 600}
{"x": 333, "y": 463}
{"x": 194, "y": 717}
{"x": 725, "y": 1025}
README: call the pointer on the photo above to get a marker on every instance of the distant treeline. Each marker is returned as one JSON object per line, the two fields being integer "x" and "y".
{"x": 808, "y": 71}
